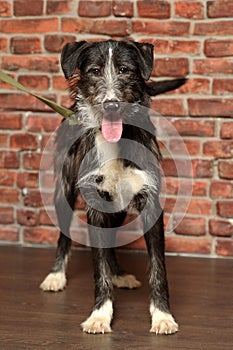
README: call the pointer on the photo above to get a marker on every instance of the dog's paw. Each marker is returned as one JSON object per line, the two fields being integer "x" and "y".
{"x": 163, "y": 323}
{"x": 100, "y": 319}
{"x": 96, "y": 325}
{"x": 54, "y": 282}
{"x": 126, "y": 281}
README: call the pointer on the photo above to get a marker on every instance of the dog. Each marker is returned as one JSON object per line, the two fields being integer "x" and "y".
{"x": 109, "y": 82}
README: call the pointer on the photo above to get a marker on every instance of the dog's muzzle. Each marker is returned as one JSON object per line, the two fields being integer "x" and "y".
{"x": 111, "y": 106}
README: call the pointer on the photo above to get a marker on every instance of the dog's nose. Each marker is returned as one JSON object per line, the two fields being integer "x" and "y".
{"x": 111, "y": 106}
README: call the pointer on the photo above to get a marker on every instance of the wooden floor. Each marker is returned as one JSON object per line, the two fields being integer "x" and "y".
{"x": 201, "y": 298}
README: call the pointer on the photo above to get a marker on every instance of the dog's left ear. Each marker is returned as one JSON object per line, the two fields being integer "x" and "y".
{"x": 146, "y": 61}
{"x": 70, "y": 56}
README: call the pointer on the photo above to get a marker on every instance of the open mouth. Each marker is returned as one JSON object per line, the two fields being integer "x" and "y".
{"x": 112, "y": 124}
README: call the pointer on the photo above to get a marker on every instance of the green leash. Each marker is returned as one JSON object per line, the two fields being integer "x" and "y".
{"x": 57, "y": 108}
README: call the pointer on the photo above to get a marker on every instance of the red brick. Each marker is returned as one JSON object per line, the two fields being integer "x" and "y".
{"x": 6, "y": 215}
{"x": 189, "y": 226}
{"x": 202, "y": 168}
{"x": 4, "y": 140}
{"x": 55, "y": 42}
{"x": 123, "y": 8}
{"x": 172, "y": 67}
{"x": 10, "y": 121}
{"x": 31, "y": 160}
{"x": 224, "y": 247}
{"x": 169, "y": 107}
{"x": 32, "y": 198}
{"x": 41, "y": 64}
{"x": 6, "y": 9}
{"x": 220, "y": 228}
{"x": 194, "y": 127}
{"x": 184, "y": 147}
{"x": 210, "y": 107}
{"x": 25, "y": 8}
{"x": 153, "y": 9}
{"x": 42, "y": 123}
{"x": 192, "y": 9}
{"x": 225, "y": 169}
{"x": 223, "y": 8}
{"x": 94, "y": 8}
{"x": 9, "y": 195}
{"x": 23, "y": 102}
{"x": 3, "y": 44}
{"x": 7, "y": 178}
{"x": 210, "y": 66}
{"x": 59, "y": 82}
{"x": 176, "y": 167}
{"x": 108, "y": 27}
{"x": 26, "y": 179}
{"x": 35, "y": 82}
{"x": 9, "y": 159}
{"x": 9, "y": 233}
{"x": 200, "y": 206}
{"x": 40, "y": 235}
{"x": 225, "y": 208}
{"x": 227, "y": 130}
{"x": 22, "y": 45}
{"x": 218, "y": 149}
{"x": 221, "y": 189}
{"x": 194, "y": 245}
{"x": 23, "y": 141}
{"x": 218, "y": 48}
{"x": 179, "y": 186}
{"x": 170, "y": 47}
{"x": 58, "y": 7}
{"x": 222, "y": 86}
{"x": 213, "y": 28}
{"x": 173, "y": 28}
{"x": 47, "y": 217}
{"x": 29, "y": 26}
{"x": 27, "y": 217}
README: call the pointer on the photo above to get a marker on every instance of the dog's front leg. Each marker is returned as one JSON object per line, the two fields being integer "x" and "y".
{"x": 162, "y": 320}
{"x": 100, "y": 319}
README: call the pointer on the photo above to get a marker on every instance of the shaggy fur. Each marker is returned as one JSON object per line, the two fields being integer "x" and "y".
{"x": 95, "y": 157}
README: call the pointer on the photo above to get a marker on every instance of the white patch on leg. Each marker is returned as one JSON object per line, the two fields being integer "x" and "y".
{"x": 99, "y": 321}
{"x": 126, "y": 281}
{"x": 54, "y": 282}
{"x": 162, "y": 322}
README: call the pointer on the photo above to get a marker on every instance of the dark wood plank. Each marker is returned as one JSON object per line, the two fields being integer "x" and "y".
{"x": 201, "y": 298}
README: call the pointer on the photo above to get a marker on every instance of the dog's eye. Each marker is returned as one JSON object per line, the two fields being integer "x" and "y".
{"x": 96, "y": 71}
{"x": 123, "y": 70}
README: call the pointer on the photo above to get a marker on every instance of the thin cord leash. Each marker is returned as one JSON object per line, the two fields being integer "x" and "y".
{"x": 57, "y": 108}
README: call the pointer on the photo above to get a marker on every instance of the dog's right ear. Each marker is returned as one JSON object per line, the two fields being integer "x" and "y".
{"x": 70, "y": 56}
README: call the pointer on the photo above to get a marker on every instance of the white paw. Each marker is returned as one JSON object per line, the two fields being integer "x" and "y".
{"x": 125, "y": 281}
{"x": 100, "y": 319}
{"x": 163, "y": 322}
{"x": 54, "y": 282}
{"x": 96, "y": 325}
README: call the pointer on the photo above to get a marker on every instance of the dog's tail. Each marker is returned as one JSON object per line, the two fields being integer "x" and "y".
{"x": 154, "y": 88}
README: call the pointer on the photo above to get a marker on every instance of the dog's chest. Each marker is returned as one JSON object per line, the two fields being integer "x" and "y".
{"x": 117, "y": 179}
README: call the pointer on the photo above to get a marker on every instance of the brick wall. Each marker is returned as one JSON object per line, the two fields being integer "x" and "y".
{"x": 192, "y": 38}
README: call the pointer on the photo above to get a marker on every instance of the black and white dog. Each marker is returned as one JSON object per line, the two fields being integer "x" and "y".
{"x": 114, "y": 144}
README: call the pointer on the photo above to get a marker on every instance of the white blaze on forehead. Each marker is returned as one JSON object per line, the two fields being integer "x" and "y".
{"x": 109, "y": 76}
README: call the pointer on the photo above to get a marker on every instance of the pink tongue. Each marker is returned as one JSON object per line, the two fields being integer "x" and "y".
{"x": 112, "y": 130}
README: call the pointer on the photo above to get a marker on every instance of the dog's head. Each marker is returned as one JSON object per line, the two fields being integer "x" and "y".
{"x": 108, "y": 74}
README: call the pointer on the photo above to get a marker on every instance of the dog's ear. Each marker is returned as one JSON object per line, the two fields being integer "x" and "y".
{"x": 70, "y": 57}
{"x": 146, "y": 60}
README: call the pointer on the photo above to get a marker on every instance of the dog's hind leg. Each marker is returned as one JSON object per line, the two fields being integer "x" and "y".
{"x": 56, "y": 279}
{"x": 120, "y": 278}
{"x": 162, "y": 320}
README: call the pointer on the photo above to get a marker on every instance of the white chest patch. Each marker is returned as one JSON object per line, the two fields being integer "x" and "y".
{"x": 118, "y": 180}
